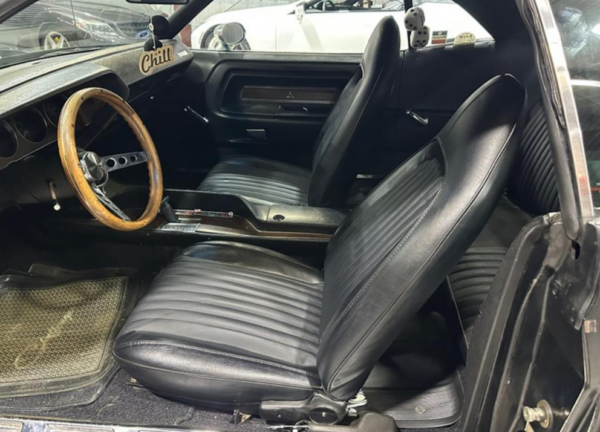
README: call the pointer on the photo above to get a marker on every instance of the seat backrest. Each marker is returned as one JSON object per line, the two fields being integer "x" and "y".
{"x": 532, "y": 184}
{"x": 350, "y": 127}
{"x": 400, "y": 243}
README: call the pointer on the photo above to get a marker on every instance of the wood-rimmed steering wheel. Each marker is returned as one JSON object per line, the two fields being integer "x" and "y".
{"x": 88, "y": 173}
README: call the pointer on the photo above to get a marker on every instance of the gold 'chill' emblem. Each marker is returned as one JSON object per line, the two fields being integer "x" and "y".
{"x": 151, "y": 60}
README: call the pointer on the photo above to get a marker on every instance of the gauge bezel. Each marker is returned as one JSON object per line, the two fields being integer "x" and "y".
{"x": 41, "y": 116}
{"x": 13, "y": 135}
{"x": 46, "y": 115}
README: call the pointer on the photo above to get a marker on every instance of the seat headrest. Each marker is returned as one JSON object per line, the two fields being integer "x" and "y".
{"x": 414, "y": 19}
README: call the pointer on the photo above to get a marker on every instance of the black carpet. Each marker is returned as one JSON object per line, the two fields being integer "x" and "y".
{"x": 126, "y": 404}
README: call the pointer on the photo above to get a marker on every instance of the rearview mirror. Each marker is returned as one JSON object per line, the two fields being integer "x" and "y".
{"x": 230, "y": 34}
{"x": 155, "y": 2}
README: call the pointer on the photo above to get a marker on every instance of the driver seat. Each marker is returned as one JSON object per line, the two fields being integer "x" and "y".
{"x": 230, "y": 325}
{"x": 344, "y": 136}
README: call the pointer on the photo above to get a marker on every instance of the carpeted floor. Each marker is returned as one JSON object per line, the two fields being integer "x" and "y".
{"x": 121, "y": 403}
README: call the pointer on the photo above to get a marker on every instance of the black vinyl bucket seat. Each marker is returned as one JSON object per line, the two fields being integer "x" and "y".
{"x": 347, "y": 132}
{"x": 232, "y": 325}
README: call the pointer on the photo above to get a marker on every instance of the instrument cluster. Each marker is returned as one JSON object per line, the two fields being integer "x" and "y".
{"x": 36, "y": 126}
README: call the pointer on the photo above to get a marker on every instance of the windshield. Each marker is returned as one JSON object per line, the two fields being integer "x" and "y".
{"x": 54, "y": 27}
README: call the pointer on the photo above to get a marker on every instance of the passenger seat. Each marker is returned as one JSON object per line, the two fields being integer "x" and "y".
{"x": 344, "y": 138}
{"x": 531, "y": 192}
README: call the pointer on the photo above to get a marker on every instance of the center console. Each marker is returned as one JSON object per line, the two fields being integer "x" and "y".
{"x": 225, "y": 215}
{"x": 190, "y": 216}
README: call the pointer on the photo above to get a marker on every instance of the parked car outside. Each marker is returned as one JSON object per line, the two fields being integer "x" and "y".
{"x": 329, "y": 26}
{"x": 57, "y": 24}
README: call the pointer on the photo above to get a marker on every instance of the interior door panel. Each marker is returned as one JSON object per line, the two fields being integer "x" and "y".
{"x": 271, "y": 105}
{"x": 436, "y": 80}
{"x": 274, "y": 104}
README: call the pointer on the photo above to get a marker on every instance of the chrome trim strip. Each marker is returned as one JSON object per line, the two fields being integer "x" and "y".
{"x": 566, "y": 109}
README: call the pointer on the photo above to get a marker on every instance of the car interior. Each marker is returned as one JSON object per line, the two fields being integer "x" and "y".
{"x": 303, "y": 239}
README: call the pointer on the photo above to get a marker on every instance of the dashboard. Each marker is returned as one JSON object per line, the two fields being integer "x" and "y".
{"x": 31, "y": 100}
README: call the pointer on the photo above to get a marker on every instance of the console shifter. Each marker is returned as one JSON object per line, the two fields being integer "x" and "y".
{"x": 167, "y": 211}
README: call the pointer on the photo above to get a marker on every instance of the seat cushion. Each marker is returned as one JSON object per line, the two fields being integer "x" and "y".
{"x": 474, "y": 274}
{"x": 227, "y": 325}
{"x": 259, "y": 180}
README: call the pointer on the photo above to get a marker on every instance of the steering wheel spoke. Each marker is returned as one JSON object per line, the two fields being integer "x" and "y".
{"x": 104, "y": 199}
{"x": 123, "y": 160}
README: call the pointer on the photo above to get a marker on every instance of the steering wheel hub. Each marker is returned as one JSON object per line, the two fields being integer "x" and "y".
{"x": 92, "y": 168}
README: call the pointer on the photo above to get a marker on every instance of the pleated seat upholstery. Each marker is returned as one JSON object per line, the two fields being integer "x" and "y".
{"x": 259, "y": 180}
{"x": 532, "y": 185}
{"x": 531, "y": 191}
{"x": 226, "y": 306}
{"x": 472, "y": 278}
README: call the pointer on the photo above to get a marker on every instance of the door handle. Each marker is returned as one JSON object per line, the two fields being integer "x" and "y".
{"x": 294, "y": 108}
{"x": 188, "y": 109}
{"x": 423, "y": 120}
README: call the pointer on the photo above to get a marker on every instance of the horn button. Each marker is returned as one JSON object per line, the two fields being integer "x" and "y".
{"x": 91, "y": 164}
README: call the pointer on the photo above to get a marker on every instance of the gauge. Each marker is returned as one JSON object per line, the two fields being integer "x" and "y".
{"x": 31, "y": 125}
{"x": 52, "y": 109}
{"x": 8, "y": 141}
{"x": 87, "y": 111}
{"x": 88, "y": 108}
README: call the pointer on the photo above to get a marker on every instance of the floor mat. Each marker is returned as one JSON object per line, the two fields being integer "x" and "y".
{"x": 418, "y": 408}
{"x": 58, "y": 327}
{"x": 416, "y": 381}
